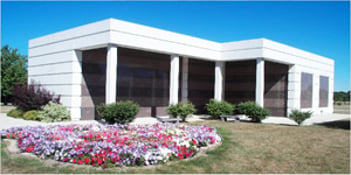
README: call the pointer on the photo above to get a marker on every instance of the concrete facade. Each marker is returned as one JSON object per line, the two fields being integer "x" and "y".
{"x": 55, "y": 61}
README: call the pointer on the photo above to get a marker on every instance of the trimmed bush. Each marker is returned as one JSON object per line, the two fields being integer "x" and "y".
{"x": 299, "y": 116}
{"x": 53, "y": 112}
{"x": 216, "y": 108}
{"x": 31, "y": 115}
{"x": 181, "y": 109}
{"x": 252, "y": 110}
{"x": 122, "y": 112}
{"x": 17, "y": 113}
{"x": 172, "y": 110}
{"x": 32, "y": 96}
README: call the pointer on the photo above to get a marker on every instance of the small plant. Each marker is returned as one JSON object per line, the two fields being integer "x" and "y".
{"x": 252, "y": 110}
{"x": 121, "y": 112}
{"x": 172, "y": 110}
{"x": 17, "y": 113}
{"x": 216, "y": 108}
{"x": 181, "y": 109}
{"x": 31, "y": 115}
{"x": 299, "y": 116}
{"x": 32, "y": 96}
{"x": 339, "y": 103}
{"x": 53, "y": 112}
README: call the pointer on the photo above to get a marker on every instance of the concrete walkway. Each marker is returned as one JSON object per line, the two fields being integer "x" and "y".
{"x": 315, "y": 119}
{"x": 8, "y": 122}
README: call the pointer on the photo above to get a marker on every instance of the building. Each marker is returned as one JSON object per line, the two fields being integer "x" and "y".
{"x": 114, "y": 60}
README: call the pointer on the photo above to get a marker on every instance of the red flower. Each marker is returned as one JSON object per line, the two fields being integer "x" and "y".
{"x": 180, "y": 155}
{"x": 80, "y": 162}
{"x": 155, "y": 146}
{"x": 66, "y": 159}
{"x": 86, "y": 160}
{"x": 74, "y": 160}
{"x": 99, "y": 161}
{"x": 194, "y": 142}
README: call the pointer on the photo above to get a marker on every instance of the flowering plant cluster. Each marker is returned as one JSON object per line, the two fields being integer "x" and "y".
{"x": 113, "y": 145}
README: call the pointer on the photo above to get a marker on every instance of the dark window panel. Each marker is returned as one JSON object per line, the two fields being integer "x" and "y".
{"x": 306, "y": 90}
{"x": 323, "y": 91}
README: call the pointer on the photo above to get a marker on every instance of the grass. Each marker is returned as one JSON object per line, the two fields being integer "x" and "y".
{"x": 247, "y": 148}
{"x": 342, "y": 108}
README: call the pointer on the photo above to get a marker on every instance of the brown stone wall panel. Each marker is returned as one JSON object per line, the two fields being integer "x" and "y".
{"x": 200, "y": 83}
{"x": 93, "y": 82}
{"x": 275, "y": 93}
{"x": 240, "y": 86}
{"x": 240, "y": 81}
{"x": 88, "y": 113}
{"x": 161, "y": 111}
{"x": 144, "y": 112}
{"x": 145, "y": 79}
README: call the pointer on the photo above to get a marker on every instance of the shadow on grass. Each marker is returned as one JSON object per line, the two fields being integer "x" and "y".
{"x": 340, "y": 124}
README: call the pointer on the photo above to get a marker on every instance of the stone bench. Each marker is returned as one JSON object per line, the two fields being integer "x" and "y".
{"x": 169, "y": 120}
{"x": 225, "y": 117}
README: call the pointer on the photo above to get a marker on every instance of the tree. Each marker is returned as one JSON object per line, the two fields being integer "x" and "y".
{"x": 13, "y": 70}
{"x": 342, "y": 96}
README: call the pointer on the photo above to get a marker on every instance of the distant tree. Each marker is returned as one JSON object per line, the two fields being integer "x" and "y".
{"x": 338, "y": 96}
{"x": 342, "y": 96}
{"x": 13, "y": 70}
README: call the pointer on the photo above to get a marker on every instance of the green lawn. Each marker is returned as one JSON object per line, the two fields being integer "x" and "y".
{"x": 247, "y": 148}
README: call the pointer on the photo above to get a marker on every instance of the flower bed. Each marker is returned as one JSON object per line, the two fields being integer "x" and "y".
{"x": 113, "y": 145}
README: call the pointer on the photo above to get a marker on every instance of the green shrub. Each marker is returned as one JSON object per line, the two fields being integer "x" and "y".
{"x": 339, "y": 103}
{"x": 53, "y": 112}
{"x": 252, "y": 110}
{"x": 31, "y": 115}
{"x": 121, "y": 112}
{"x": 181, "y": 109}
{"x": 17, "y": 113}
{"x": 172, "y": 110}
{"x": 299, "y": 116}
{"x": 216, "y": 108}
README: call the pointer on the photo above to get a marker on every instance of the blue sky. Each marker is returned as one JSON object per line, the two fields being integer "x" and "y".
{"x": 318, "y": 27}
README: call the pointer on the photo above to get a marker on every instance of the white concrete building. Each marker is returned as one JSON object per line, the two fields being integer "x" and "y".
{"x": 114, "y": 60}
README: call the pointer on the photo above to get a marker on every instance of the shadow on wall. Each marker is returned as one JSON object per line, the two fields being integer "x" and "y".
{"x": 340, "y": 124}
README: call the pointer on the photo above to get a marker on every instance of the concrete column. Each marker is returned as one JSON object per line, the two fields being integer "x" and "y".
{"x": 185, "y": 79}
{"x": 219, "y": 81}
{"x": 111, "y": 74}
{"x": 260, "y": 82}
{"x": 174, "y": 80}
{"x": 331, "y": 94}
{"x": 294, "y": 88}
{"x": 315, "y": 93}
{"x": 76, "y": 102}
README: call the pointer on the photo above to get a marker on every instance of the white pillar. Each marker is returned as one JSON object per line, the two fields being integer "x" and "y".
{"x": 294, "y": 88}
{"x": 315, "y": 93}
{"x": 111, "y": 74}
{"x": 76, "y": 104}
{"x": 219, "y": 81}
{"x": 174, "y": 80}
{"x": 260, "y": 82}
{"x": 185, "y": 79}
